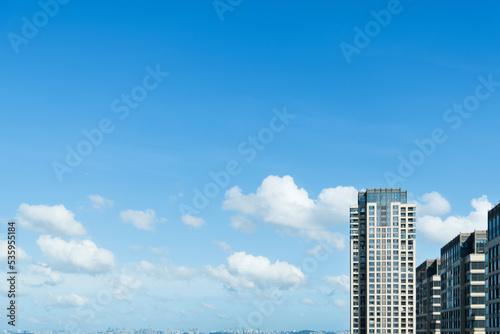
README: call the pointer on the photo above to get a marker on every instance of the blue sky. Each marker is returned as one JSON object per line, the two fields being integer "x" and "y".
{"x": 106, "y": 243}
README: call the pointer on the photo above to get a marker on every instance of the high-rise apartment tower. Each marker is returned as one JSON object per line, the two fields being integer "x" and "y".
{"x": 382, "y": 238}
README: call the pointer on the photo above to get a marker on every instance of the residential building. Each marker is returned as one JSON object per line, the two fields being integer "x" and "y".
{"x": 493, "y": 272}
{"x": 382, "y": 244}
{"x": 462, "y": 284}
{"x": 428, "y": 303}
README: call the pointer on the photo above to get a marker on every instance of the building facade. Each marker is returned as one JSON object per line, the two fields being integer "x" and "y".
{"x": 428, "y": 303}
{"x": 382, "y": 244}
{"x": 463, "y": 284}
{"x": 493, "y": 272}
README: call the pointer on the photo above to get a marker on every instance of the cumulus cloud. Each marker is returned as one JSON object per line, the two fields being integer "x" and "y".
{"x": 49, "y": 219}
{"x": 315, "y": 250}
{"x": 247, "y": 271}
{"x": 160, "y": 250}
{"x": 42, "y": 274}
{"x": 441, "y": 231}
{"x": 433, "y": 203}
{"x": 341, "y": 282}
{"x": 242, "y": 224}
{"x": 340, "y": 303}
{"x": 280, "y": 202}
{"x": 307, "y": 301}
{"x": 196, "y": 222}
{"x": 99, "y": 202}
{"x": 72, "y": 300}
{"x": 224, "y": 246}
{"x": 20, "y": 253}
{"x": 166, "y": 272}
{"x": 76, "y": 255}
{"x": 322, "y": 250}
{"x": 122, "y": 286}
{"x": 334, "y": 239}
{"x": 143, "y": 220}
{"x": 222, "y": 316}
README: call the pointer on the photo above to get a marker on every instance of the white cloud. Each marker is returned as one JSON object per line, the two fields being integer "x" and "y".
{"x": 222, "y": 273}
{"x": 323, "y": 250}
{"x": 224, "y": 246}
{"x": 222, "y": 316}
{"x": 334, "y": 239}
{"x": 307, "y": 301}
{"x": 72, "y": 300}
{"x": 20, "y": 253}
{"x": 278, "y": 201}
{"x": 160, "y": 250}
{"x": 143, "y": 220}
{"x": 432, "y": 203}
{"x": 42, "y": 274}
{"x": 248, "y": 271}
{"x": 76, "y": 255}
{"x": 441, "y": 231}
{"x": 339, "y": 303}
{"x": 145, "y": 266}
{"x": 315, "y": 250}
{"x": 301, "y": 315}
{"x": 242, "y": 224}
{"x": 196, "y": 222}
{"x": 49, "y": 219}
{"x": 166, "y": 272}
{"x": 208, "y": 306}
{"x": 341, "y": 282}
{"x": 99, "y": 202}
{"x": 122, "y": 286}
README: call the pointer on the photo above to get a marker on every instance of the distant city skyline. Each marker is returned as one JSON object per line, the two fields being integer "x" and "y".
{"x": 181, "y": 331}
{"x": 192, "y": 164}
